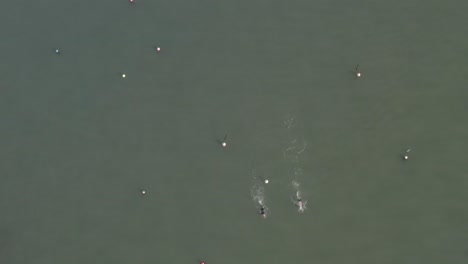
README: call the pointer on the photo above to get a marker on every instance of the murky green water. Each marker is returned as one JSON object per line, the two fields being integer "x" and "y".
{"x": 79, "y": 143}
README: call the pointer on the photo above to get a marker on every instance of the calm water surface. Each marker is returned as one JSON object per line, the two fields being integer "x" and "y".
{"x": 78, "y": 142}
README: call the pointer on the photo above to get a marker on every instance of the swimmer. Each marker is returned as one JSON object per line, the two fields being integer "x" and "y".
{"x": 262, "y": 211}
{"x": 301, "y": 204}
{"x": 259, "y": 199}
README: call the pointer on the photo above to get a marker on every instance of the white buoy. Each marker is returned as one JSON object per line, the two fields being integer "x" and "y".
{"x": 123, "y": 75}
{"x": 406, "y": 157}
{"x": 358, "y": 73}
{"x": 158, "y": 49}
{"x": 143, "y": 192}
{"x": 224, "y": 144}
{"x": 267, "y": 181}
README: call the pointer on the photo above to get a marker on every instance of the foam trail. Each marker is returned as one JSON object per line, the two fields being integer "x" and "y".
{"x": 289, "y": 122}
{"x": 295, "y": 185}
{"x": 258, "y": 195}
{"x": 294, "y": 149}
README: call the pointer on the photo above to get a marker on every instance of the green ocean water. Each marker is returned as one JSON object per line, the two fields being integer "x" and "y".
{"x": 78, "y": 142}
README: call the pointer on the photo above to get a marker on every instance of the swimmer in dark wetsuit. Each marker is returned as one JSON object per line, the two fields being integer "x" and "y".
{"x": 262, "y": 212}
